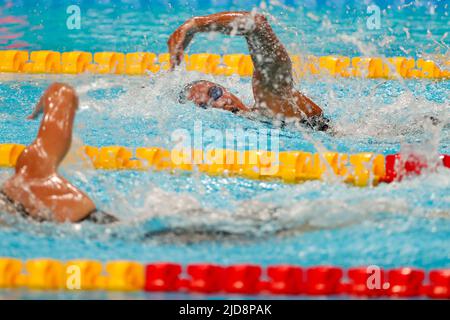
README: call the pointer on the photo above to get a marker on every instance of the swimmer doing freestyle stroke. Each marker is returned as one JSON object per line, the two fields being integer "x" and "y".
{"x": 36, "y": 190}
{"x": 273, "y": 84}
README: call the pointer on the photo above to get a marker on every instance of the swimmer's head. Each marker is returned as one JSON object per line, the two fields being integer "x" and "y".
{"x": 208, "y": 94}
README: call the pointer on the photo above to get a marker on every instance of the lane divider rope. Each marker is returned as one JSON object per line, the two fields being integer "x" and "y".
{"x": 205, "y": 278}
{"x": 141, "y": 63}
{"x": 361, "y": 169}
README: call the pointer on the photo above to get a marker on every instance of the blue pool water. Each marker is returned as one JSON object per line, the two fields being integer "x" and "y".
{"x": 194, "y": 218}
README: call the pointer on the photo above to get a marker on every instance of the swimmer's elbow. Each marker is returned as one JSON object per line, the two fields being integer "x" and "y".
{"x": 260, "y": 20}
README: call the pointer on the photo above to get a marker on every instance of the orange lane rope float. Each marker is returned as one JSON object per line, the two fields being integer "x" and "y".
{"x": 141, "y": 63}
{"x": 206, "y": 278}
{"x": 361, "y": 169}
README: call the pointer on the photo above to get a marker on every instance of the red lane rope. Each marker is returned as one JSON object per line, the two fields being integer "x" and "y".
{"x": 252, "y": 279}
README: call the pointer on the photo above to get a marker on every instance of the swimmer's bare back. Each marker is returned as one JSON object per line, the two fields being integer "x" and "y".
{"x": 36, "y": 185}
{"x": 273, "y": 85}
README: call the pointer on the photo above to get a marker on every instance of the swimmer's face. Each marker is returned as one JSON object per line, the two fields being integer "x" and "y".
{"x": 208, "y": 94}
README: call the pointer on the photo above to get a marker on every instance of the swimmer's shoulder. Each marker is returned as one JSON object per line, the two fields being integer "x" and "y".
{"x": 14, "y": 207}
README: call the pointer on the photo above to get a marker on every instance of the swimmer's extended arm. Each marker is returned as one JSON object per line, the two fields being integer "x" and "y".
{"x": 273, "y": 68}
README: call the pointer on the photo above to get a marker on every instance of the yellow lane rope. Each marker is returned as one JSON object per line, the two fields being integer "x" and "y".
{"x": 50, "y": 274}
{"x": 360, "y": 169}
{"x": 142, "y": 63}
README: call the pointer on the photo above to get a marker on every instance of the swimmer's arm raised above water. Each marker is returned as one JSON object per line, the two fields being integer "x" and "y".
{"x": 36, "y": 185}
{"x": 59, "y": 104}
{"x": 273, "y": 84}
{"x": 273, "y": 68}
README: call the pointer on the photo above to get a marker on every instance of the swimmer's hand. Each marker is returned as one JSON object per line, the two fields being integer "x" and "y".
{"x": 37, "y": 109}
{"x": 232, "y": 23}
{"x": 178, "y": 41}
{"x": 32, "y": 116}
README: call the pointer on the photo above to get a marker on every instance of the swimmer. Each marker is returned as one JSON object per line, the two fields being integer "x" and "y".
{"x": 36, "y": 190}
{"x": 273, "y": 84}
